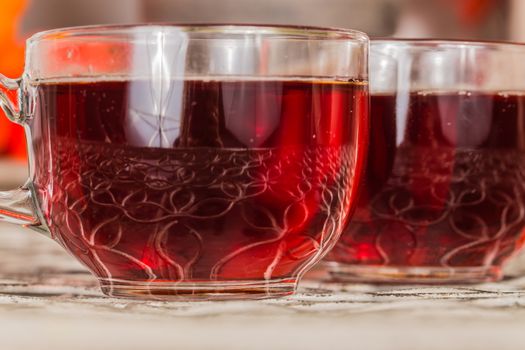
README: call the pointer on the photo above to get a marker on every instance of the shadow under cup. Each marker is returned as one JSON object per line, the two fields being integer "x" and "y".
{"x": 208, "y": 162}
{"x": 443, "y": 198}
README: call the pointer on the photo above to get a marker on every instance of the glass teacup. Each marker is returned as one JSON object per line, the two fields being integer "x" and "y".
{"x": 443, "y": 198}
{"x": 193, "y": 162}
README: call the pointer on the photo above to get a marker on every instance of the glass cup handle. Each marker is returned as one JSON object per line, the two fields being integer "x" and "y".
{"x": 16, "y": 206}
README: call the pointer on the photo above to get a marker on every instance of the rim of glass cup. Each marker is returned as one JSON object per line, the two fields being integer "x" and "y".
{"x": 443, "y": 42}
{"x": 288, "y": 31}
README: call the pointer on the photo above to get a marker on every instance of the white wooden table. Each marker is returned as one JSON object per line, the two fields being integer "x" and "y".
{"x": 47, "y": 301}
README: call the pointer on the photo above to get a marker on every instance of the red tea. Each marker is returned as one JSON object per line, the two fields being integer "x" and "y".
{"x": 197, "y": 180}
{"x": 444, "y": 185}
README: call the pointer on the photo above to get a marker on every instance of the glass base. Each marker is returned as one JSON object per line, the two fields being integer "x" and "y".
{"x": 198, "y": 291}
{"x": 410, "y": 275}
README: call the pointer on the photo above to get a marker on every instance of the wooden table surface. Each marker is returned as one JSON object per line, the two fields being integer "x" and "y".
{"x": 46, "y": 298}
{"x": 48, "y": 301}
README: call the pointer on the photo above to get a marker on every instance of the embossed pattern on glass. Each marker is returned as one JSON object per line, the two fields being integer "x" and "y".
{"x": 204, "y": 205}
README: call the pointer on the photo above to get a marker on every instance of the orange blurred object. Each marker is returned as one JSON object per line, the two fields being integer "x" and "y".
{"x": 472, "y": 12}
{"x": 12, "y": 139}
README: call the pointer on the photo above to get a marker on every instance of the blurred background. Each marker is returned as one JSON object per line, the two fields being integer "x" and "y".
{"x": 467, "y": 19}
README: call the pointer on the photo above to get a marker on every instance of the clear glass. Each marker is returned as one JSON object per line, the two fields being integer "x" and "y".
{"x": 443, "y": 199}
{"x": 191, "y": 162}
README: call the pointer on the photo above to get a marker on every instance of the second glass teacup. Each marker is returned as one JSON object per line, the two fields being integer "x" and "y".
{"x": 443, "y": 198}
{"x": 193, "y": 162}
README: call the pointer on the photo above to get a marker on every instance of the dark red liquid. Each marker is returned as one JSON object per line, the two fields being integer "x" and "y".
{"x": 444, "y": 185}
{"x": 198, "y": 180}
